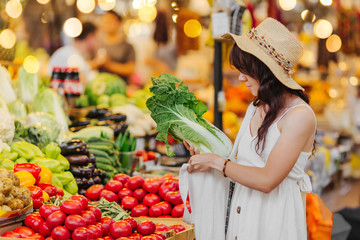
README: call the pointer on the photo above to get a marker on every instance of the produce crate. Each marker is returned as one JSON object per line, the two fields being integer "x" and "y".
{"x": 188, "y": 234}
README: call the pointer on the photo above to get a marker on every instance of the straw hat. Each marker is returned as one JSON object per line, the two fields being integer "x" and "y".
{"x": 274, "y": 45}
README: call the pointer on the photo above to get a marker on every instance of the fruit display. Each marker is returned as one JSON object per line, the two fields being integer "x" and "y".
{"x": 83, "y": 164}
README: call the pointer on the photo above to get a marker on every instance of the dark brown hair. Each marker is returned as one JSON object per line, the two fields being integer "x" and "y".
{"x": 271, "y": 90}
{"x": 161, "y": 28}
{"x": 87, "y": 29}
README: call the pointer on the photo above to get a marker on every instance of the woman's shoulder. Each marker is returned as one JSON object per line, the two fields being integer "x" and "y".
{"x": 300, "y": 116}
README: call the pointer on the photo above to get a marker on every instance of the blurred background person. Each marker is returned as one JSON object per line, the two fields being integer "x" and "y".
{"x": 120, "y": 57}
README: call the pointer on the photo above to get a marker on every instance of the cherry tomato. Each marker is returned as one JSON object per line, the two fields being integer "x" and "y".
{"x": 103, "y": 229}
{"x": 48, "y": 188}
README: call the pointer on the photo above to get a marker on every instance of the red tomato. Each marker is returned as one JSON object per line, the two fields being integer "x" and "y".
{"x": 161, "y": 227}
{"x": 60, "y": 233}
{"x": 140, "y": 210}
{"x": 162, "y": 208}
{"x": 129, "y": 202}
{"x": 83, "y": 200}
{"x": 36, "y": 236}
{"x": 108, "y": 238}
{"x": 48, "y": 188}
{"x": 135, "y": 182}
{"x": 96, "y": 230}
{"x": 47, "y": 209}
{"x": 188, "y": 206}
{"x": 44, "y": 230}
{"x": 162, "y": 235}
{"x": 151, "y": 155}
{"x": 139, "y": 194}
{"x": 178, "y": 211}
{"x": 71, "y": 207}
{"x": 168, "y": 185}
{"x": 135, "y": 236}
{"x": 123, "y": 178}
{"x": 152, "y": 237}
{"x": 109, "y": 195}
{"x": 173, "y": 197}
{"x": 93, "y": 192}
{"x": 146, "y": 228}
{"x": 165, "y": 216}
{"x": 49, "y": 238}
{"x": 106, "y": 222}
{"x": 89, "y": 217}
{"x": 177, "y": 228}
{"x": 114, "y": 185}
{"x": 11, "y": 235}
{"x": 81, "y": 233}
{"x": 36, "y": 192}
{"x": 96, "y": 211}
{"x": 34, "y": 221}
{"x": 24, "y": 231}
{"x": 59, "y": 192}
{"x": 74, "y": 221}
{"x": 126, "y": 185}
{"x": 103, "y": 229}
{"x": 120, "y": 229}
{"x": 168, "y": 175}
{"x": 132, "y": 222}
{"x": 55, "y": 219}
{"x": 124, "y": 192}
{"x": 151, "y": 199}
{"x": 151, "y": 185}
{"x": 38, "y": 202}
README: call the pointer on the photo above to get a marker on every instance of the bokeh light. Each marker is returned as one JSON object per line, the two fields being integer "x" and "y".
{"x": 147, "y": 14}
{"x": 43, "y": 1}
{"x": 306, "y": 15}
{"x": 85, "y": 6}
{"x": 323, "y": 28}
{"x": 106, "y": 5}
{"x": 31, "y": 64}
{"x": 150, "y": 3}
{"x": 287, "y": 5}
{"x": 137, "y": 4}
{"x": 354, "y": 81}
{"x": 72, "y": 27}
{"x": 333, "y": 93}
{"x": 308, "y": 58}
{"x": 7, "y": 38}
{"x": 333, "y": 43}
{"x": 13, "y": 8}
{"x": 192, "y": 28}
{"x": 326, "y": 2}
{"x": 174, "y": 17}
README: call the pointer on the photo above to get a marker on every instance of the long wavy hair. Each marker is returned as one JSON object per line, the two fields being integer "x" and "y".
{"x": 270, "y": 93}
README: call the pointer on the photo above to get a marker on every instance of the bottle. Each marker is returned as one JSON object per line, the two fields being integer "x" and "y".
{"x": 56, "y": 79}
{"x": 71, "y": 85}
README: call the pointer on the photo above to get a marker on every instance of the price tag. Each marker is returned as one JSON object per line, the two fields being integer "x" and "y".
{"x": 220, "y": 24}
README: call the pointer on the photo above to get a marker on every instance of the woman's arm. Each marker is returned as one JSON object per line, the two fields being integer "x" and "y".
{"x": 123, "y": 69}
{"x": 297, "y": 130}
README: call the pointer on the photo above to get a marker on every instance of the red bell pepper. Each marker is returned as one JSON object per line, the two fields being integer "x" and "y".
{"x": 29, "y": 167}
{"x": 48, "y": 188}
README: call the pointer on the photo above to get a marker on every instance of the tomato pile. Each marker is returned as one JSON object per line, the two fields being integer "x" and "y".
{"x": 154, "y": 197}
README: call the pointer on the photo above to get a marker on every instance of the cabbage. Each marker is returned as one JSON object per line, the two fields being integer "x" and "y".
{"x": 105, "y": 84}
{"x": 6, "y": 90}
{"x": 28, "y": 85}
{"x": 177, "y": 111}
{"x": 3, "y": 104}
{"x": 17, "y": 109}
{"x": 47, "y": 100}
{"x": 45, "y": 121}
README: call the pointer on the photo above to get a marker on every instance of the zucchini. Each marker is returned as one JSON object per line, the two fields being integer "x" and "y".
{"x": 98, "y": 153}
{"x": 103, "y": 160}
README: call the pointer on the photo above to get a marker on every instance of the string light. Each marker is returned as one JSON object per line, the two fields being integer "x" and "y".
{"x": 13, "y": 8}
{"x": 31, "y": 64}
{"x": 333, "y": 43}
{"x": 326, "y": 2}
{"x": 147, "y": 14}
{"x": 43, "y": 1}
{"x": 287, "y": 5}
{"x": 72, "y": 27}
{"x": 323, "y": 28}
{"x": 85, "y": 6}
{"x": 7, "y": 38}
{"x": 106, "y": 5}
{"x": 192, "y": 28}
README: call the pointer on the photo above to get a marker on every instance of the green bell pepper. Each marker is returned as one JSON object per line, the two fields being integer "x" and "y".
{"x": 21, "y": 160}
{"x": 64, "y": 162}
{"x": 66, "y": 195}
{"x": 52, "y": 150}
{"x": 5, "y": 154}
{"x": 23, "y": 150}
{"x": 64, "y": 178}
{"x": 52, "y": 164}
{"x": 72, "y": 187}
{"x": 56, "y": 182}
{"x": 8, "y": 164}
{"x": 36, "y": 150}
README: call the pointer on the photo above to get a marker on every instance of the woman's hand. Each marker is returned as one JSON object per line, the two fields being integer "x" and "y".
{"x": 191, "y": 149}
{"x": 205, "y": 162}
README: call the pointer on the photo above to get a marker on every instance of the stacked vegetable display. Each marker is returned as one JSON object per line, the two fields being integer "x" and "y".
{"x": 152, "y": 197}
{"x": 83, "y": 164}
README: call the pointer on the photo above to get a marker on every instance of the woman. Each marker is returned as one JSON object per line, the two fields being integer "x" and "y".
{"x": 275, "y": 143}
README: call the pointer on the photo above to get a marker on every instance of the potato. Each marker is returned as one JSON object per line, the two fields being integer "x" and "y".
{"x": 2, "y": 199}
{"x": 25, "y": 195}
{"x": 15, "y": 204}
{"x": 5, "y": 208}
{"x": 6, "y": 184}
{"x": 3, "y": 173}
{"x": 14, "y": 178}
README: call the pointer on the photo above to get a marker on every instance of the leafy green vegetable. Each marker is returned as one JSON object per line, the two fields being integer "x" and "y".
{"x": 177, "y": 112}
{"x": 28, "y": 85}
{"x": 17, "y": 109}
{"x": 36, "y": 135}
{"x": 104, "y": 84}
{"x": 45, "y": 121}
{"x": 6, "y": 90}
{"x": 125, "y": 142}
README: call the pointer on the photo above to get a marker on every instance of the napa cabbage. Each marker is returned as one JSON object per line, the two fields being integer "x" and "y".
{"x": 177, "y": 111}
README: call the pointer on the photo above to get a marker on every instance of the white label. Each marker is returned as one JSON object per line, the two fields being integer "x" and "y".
{"x": 220, "y": 24}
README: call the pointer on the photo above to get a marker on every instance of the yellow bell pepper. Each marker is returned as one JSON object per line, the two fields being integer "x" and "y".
{"x": 45, "y": 175}
{"x": 45, "y": 196}
{"x": 26, "y": 178}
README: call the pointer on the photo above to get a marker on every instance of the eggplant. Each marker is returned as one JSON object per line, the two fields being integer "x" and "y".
{"x": 102, "y": 174}
{"x": 97, "y": 180}
{"x": 80, "y": 183}
{"x": 92, "y": 158}
{"x": 78, "y": 160}
{"x": 80, "y": 172}
{"x": 96, "y": 172}
{"x": 72, "y": 147}
{"x": 114, "y": 117}
{"x": 91, "y": 166}
{"x": 97, "y": 113}
{"x": 82, "y": 192}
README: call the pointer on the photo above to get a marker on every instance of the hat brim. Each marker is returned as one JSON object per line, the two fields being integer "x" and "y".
{"x": 250, "y": 46}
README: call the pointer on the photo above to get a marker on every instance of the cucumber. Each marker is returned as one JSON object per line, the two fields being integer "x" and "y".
{"x": 99, "y": 153}
{"x": 103, "y": 160}
{"x": 106, "y": 167}
{"x": 90, "y": 132}
{"x": 103, "y": 148}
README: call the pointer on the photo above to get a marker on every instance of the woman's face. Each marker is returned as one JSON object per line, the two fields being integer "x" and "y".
{"x": 251, "y": 83}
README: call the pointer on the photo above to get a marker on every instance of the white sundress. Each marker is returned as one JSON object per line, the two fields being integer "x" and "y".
{"x": 278, "y": 215}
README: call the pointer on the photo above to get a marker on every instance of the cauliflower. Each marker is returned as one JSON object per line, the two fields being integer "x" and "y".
{"x": 7, "y": 127}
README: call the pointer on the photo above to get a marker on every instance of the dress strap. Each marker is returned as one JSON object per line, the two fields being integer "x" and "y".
{"x": 287, "y": 110}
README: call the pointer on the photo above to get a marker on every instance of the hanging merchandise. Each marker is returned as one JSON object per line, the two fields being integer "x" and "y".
{"x": 184, "y": 42}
